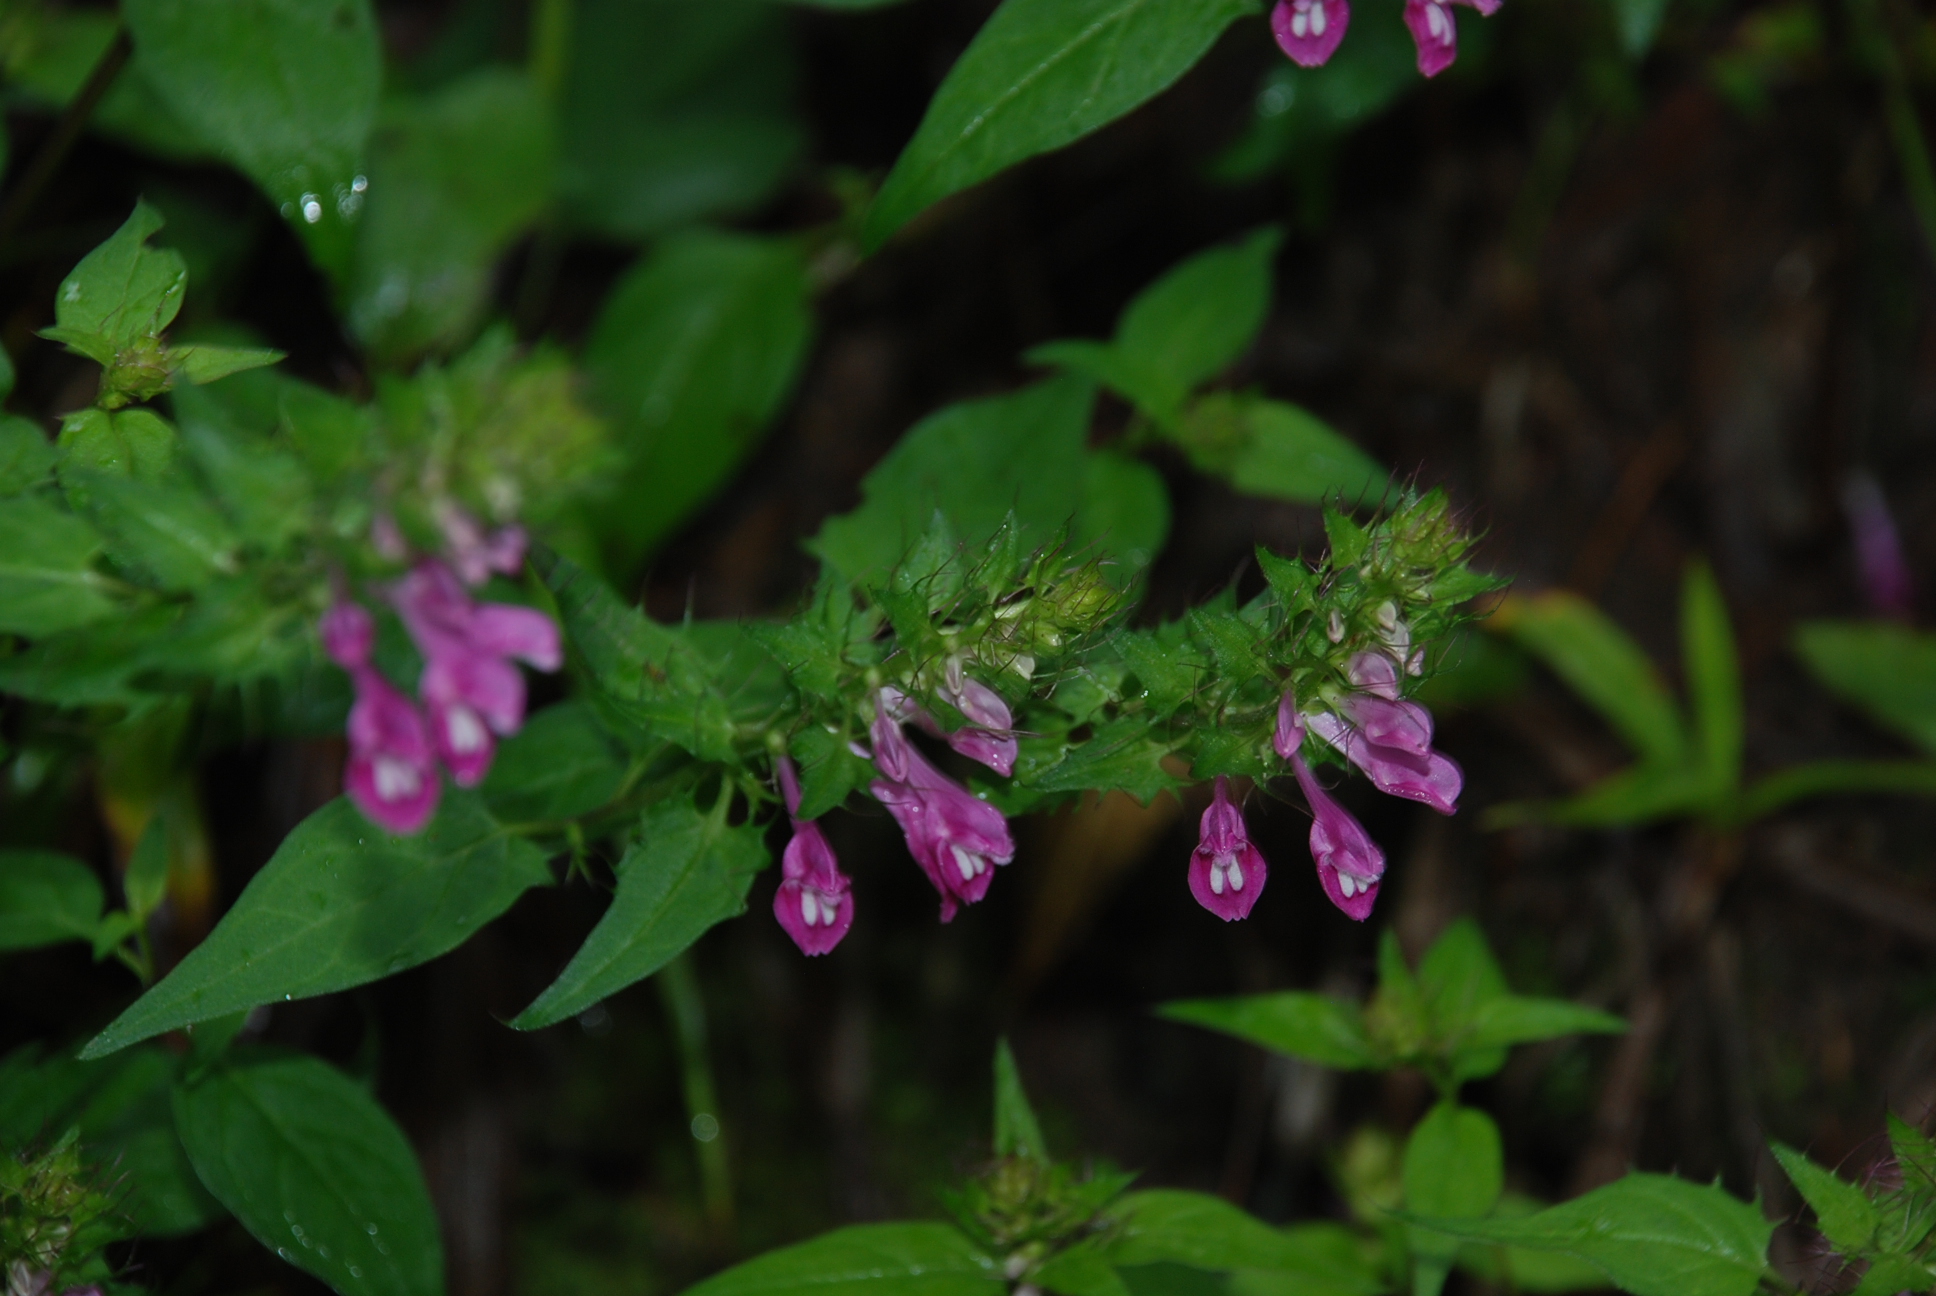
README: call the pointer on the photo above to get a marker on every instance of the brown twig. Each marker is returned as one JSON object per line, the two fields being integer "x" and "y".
{"x": 54, "y": 149}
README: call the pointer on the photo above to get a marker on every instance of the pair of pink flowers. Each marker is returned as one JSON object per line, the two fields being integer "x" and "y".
{"x": 1389, "y": 739}
{"x": 471, "y": 690}
{"x": 1311, "y": 30}
{"x": 956, "y": 838}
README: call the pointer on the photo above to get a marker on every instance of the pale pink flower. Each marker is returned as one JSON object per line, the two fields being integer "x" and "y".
{"x": 1390, "y": 740}
{"x": 1227, "y": 873}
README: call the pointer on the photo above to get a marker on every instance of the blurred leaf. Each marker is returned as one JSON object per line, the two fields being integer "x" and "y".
{"x": 1846, "y": 1217}
{"x": 1038, "y": 75}
{"x": 58, "y": 49}
{"x": 133, "y": 443}
{"x": 674, "y": 112}
{"x": 340, "y": 904}
{"x": 261, "y": 486}
{"x": 316, "y": 1171}
{"x": 1887, "y": 670}
{"x": 165, "y": 531}
{"x": 1637, "y": 795}
{"x": 1016, "y": 1130}
{"x": 145, "y": 881}
{"x": 1517, "y": 1269}
{"x": 1891, "y": 1275}
{"x": 26, "y": 457}
{"x": 46, "y": 898}
{"x": 1713, "y": 679}
{"x": 1518, "y": 1019}
{"x": 1334, "y": 1261}
{"x": 688, "y": 872}
{"x": 329, "y": 433}
{"x": 1652, "y": 1235}
{"x": 1638, "y": 21}
{"x": 694, "y": 352}
{"x": 1473, "y": 669}
{"x": 47, "y": 582}
{"x": 562, "y": 764}
{"x": 286, "y": 90}
{"x": 1599, "y": 662}
{"x": 1459, "y": 977}
{"x": 1183, "y": 329}
{"x": 1196, "y": 1229}
{"x": 1079, "y": 1270}
{"x": 866, "y": 1260}
{"x": 206, "y": 364}
{"x": 1915, "y": 1155}
{"x": 1454, "y": 1167}
{"x": 122, "y": 292}
{"x": 1311, "y": 1026}
{"x": 1820, "y": 778}
{"x": 454, "y": 178}
{"x": 1289, "y": 453}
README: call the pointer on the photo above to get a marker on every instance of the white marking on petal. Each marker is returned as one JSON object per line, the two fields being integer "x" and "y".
{"x": 1216, "y": 878}
{"x": 1300, "y": 24}
{"x": 465, "y": 731}
{"x": 966, "y": 863}
{"x": 1348, "y": 885}
{"x": 809, "y": 910}
{"x": 394, "y": 779}
{"x": 1317, "y": 19}
{"x": 1235, "y": 872}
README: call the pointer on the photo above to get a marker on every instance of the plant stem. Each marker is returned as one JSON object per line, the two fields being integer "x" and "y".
{"x": 679, "y": 989}
{"x": 53, "y": 150}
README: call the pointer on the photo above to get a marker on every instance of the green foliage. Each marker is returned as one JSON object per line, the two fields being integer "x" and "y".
{"x": 1454, "y": 1168}
{"x": 54, "y": 1215}
{"x": 1454, "y": 1019}
{"x": 314, "y": 1169}
{"x": 867, "y": 1260}
{"x": 1041, "y": 74}
{"x": 561, "y": 765}
{"x": 693, "y": 353}
{"x": 47, "y": 578}
{"x": 46, "y": 898}
{"x": 341, "y": 903}
{"x": 286, "y": 90}
{"x": 1017, "y": 1133}
{"x": 688, "y": 871}
{"x": 1651, "y": 1235}
{"x": 1887, "y": 671}
{"x": 1885, "y": 1225}
{"x": 1638, "y": 21}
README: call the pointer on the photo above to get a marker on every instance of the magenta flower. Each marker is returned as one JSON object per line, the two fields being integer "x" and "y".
{"x": 954, "y": 836}
{"x": 1309, "y": 30}
{"x": 476, "y": 553}
{"x": 1289, "y": 736}
{"x": 473, "y": 691}
{"x": 813, "y": 903}
{"x": 1227, "y": 873}
{"x": 1390, "y": 740}
{"x": 1434, "y": 32}
{"x": 1350, "y": 865}
{"x": 391, "y": 775}
{"x": 989, "y": 736}
{"x": 1886, "y": 579}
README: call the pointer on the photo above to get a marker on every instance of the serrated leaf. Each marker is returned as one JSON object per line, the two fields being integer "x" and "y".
{"x": 688, "y": 872}
{"x": 47, "y": 581}
{"x": 1315, "y": 1027}
{"x": 316, "y": 1170}
{"x": 122, "y": 292}
{"x": 340, "y": 904}
{"x": 829, "y": 770}
{"x": 285, "y": 90}
{"x": 693, "y": 353}
{"x": 1121, "y": 754}
{"x": 1041, "y": 74}
{"x": 1846, "y": 1217}
{"x": 1652, "y": 1235}
{"x": 46, "y": 898}
{"x": 1017, "y": 1133}
{"x": 912, "y": 1259}
{"x": 1891, "y": 1275}
{"x": 1348, "y": 539}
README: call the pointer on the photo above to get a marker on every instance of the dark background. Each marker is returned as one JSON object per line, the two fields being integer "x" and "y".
{"x": 1673, "y": 333}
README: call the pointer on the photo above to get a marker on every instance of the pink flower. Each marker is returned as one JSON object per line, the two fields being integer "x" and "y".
{"x": 1309, "y": 30}
{"x": 813, "y": 903}
{"x": 1434, "y": 32}
{"x": 472, "y": 689}
{"x": 1227, "y": 873}
{"x": 475, "y": 553}
{"x": 1289, "y": 736}
{"x": 954, "y": 836}
{"x": 392, "y": 775}
{"x": 1390, "y": 740}
{"x": 989, "y": 735}
{"x": 349, "y": 634}
{"x": 1886, "y": 578}
{"x": 1350, "y": 865}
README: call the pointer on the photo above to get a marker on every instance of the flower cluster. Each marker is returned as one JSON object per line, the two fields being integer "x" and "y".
{"x": 470, "y": 690}
{"x": 1309, "y": 31}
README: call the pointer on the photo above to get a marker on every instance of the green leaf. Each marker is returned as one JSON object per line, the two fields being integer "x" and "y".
{"x": 1194, "y": 322}
{"x": 207, "y": 364}
{"x": 1289, "y": 453}
{"x": 455, "y": 177}
{"x": 562, "y": 764}
{"x": 1639, "y": 794}
{"x": 1454, "y": 1167}
{"x": 1887, "y": 670}
{"x": 674, "y": 112}
{"x": 1079, "y": 1270}
{"x": 1652, "y": 1235}
{"x": 1893, "y": 1274}
{"x": 1458, "y": 977}
{"x": 1517, "y": 1269}
{"x": 1348, "y": 540}
{"x": 340, "y": 904}
{"x": 26, "y": 458}
{"x": 166, "y": 532}
{"x": 693, "y": 353}
{"x": 688, "y": 872}
{"x": 1915, "y": 1155}
{"x": 829, "y": 770}
{"x": 1607, "y": 669}
{"x": 1016, "y": 1131}
{"x": 1846, "y": 1217}
{"x": 1311, "y": 1026}
{"x": 1121, "y": 755}
{"x": 46, "y": 898}
{"x": 1713, "y": 679}
{"x": 131, "y": 443}
{"x": 316, "y": 1171}
{"x": 1822, "y": 778}
{"x": 1041, "y": 74}
{"x": 285, "y": 90}
{"x": 47, "y": 581}
{"x": 1637, "y": 22}
{"x": 122, "y": 292}
{"x": 1516, "y": 1019}
{"x": 1196, "y": 1229}
{"x": 145, "y": 883}
{"x": 260, "y": 486}
{"x": 1332, "y": 1261}
{"x": 866, "y": 1260}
